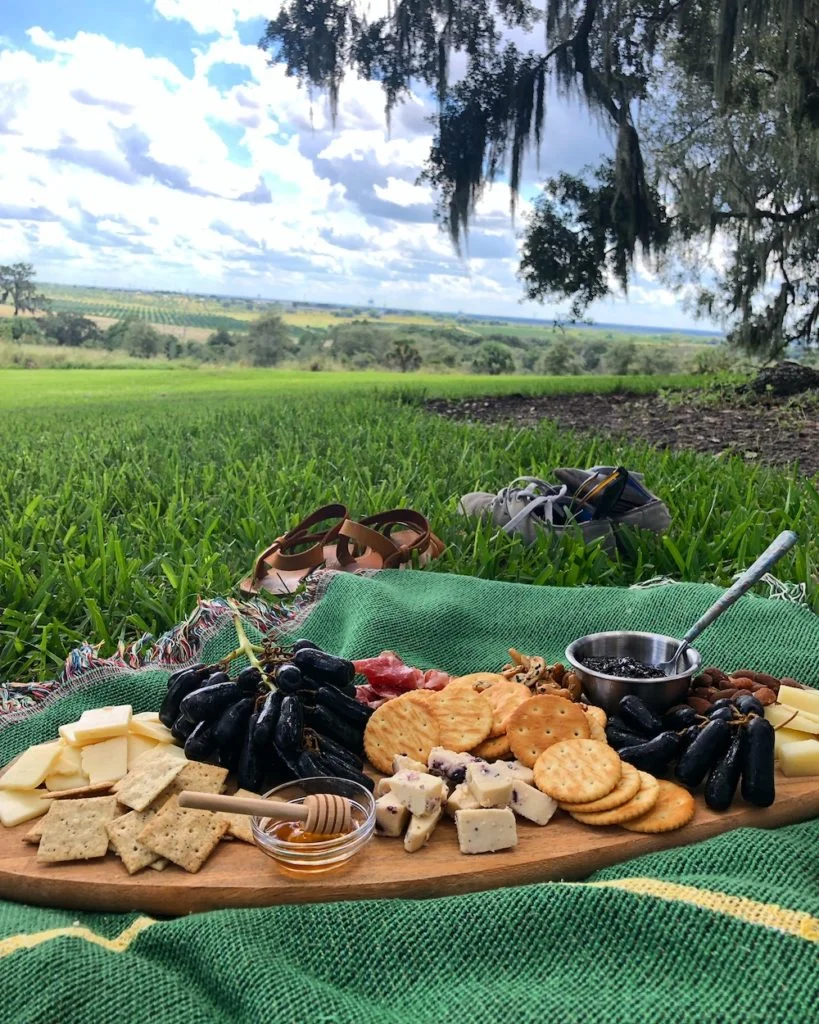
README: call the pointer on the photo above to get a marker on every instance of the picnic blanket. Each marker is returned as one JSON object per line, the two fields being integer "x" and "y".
{"x": 723, "y": 930}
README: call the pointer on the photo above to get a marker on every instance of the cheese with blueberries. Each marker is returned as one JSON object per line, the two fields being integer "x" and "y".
{"x": 486, "y": 830}
{"x": 461, "y": 799}
{"x": 419, "y": 792}
{"x": 531, "y": 804}
{"x": 490, "y": 785}
{"x": 391, "y": 816}
{"x": 420, "y": 828}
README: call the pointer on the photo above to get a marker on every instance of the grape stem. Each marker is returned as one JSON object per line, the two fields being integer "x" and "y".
{"x": 247, "y": 649}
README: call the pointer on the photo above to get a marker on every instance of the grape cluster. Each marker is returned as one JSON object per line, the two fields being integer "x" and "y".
{"x": 290, "y": 715}
{"x": 732, "y": 741}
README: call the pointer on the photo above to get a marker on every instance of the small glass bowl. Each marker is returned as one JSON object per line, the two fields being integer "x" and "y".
{"x": 315, "y": 858}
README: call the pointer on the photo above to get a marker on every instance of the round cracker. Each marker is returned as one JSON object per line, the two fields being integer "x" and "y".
{"x": 464, "y": 718}
{"x": 626, "y": 788}
{"x": 674, "y": 808}
{"x": 542, "y": 721}
{"x": 421, "y": 696}
{"x": 493, "y": 749}
{"x": 596, "y": 714}
{"x": 504, "y": 697}
{"x": 597, "y": 732}
{"x": 478, "y": 681}
{"x": 577, "y": 771}
{"x": 400, "y": 727}
{"x": 640, "y": 804}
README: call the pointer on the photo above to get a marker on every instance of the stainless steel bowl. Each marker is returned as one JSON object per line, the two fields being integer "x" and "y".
{"x": 650, "y": 648}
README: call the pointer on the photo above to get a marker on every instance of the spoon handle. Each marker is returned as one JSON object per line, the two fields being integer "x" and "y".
{"x": 769, "y": 557}
{"x": 243, "y": 805}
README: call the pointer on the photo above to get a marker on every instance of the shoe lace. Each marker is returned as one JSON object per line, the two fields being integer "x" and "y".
{"x": 541, "y": 497}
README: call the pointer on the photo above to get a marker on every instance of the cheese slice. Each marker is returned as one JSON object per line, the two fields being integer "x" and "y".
{"x": 137, "y": 746}
{"x": 151, "y": 730}
{"x": 803, "y": 700}
{"x": 782, "y": 736}
{"x": 800, "y": 757}
{"x": 145, "y": 716}
{"x": 32, "y": 766}
{"x": 68, "y": 734}
{"x": 782, "y": 717}
{"x": 102, "y": 723}
{"x": 17, "y": 806}
{"x": 55, "y": 783}
{"x": 69, "y": 762}
{"x": 106, "y": 761}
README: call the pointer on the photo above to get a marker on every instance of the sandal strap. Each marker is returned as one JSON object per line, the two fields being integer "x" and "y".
{"x": 374, "y": 532}
{"x": 275, "y": 558}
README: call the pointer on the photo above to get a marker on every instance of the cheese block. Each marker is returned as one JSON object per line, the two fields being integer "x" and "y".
{"x": 55, "y": 783}
{"x": 449, "y": 764}
{"x": 17, "y": 806}
{"x": 68, "y": 734}
{"x": 68, "y": 763}
{"x": 461, "y": 799}
{"x": 172, "y": 749}
{"x": 145, "y": 716}
{"x": 391, "y": 816}
{"x": 383, "y": 786}
{"x": 782, "y": 717}
{"x": 486, "y": 830}
{"x": 531, "y": 804}
{"x": 420, "y": 828}
{"x": 102, "y": 723}
{"x": 517, "y": 771}
{"x": 31, "y": 767}
{"x": 106, "y": 761}
{"x": 403, "y": 763}
{"x": 803, "y": 700}
{"x": 489, "y": 784}
{"x": 782, "y": 736}
{"x": 151, "y": 730}
{"x": 420, "y": 793}
{"x": 800, "y": 757}
{"x": 137, "y": 746}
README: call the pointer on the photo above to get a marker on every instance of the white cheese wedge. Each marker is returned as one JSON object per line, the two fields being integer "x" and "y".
{"x": 803, "y": 700}
{"x": 419, "y": 830}
{"x": 517, "y": 771}
{"x": 31, "y": 767}
{"x": 531, "y": 804}
{"x": 782, "y": 736}
{"x": 137, "y": 746}
{"x": 17, "y": 806}
{"x": 461, "y": 799}
{"x": 486, "y": 830}
{"x": 102, "y": 723}
{"x": 106, "y": 761}
{"x": 383, "y": 786}
{"x": 68, "y": 763}
{"x": 402, "y": 763}
{"x": 145, "y": 716}
{"x": 151, "y": 730}
{"x": 68, "y": 734}
{"x": 800, "y": 757}
{"x": 391, "y": 817}
{"x": 55, "y": 783}
{"x": 489, "y": 784}
{"x": 782, "y": 717}
{"x": 420, "y": 793}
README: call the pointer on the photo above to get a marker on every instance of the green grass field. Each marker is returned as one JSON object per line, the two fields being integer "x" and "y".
{"x": 124, "y": 495}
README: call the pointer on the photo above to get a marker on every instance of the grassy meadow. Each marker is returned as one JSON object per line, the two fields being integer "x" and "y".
{"x": 124, "y": 495}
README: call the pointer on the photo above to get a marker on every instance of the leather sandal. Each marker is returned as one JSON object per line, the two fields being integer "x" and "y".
{"x": 290, "y": 559}
{"x": 377, "y": 545}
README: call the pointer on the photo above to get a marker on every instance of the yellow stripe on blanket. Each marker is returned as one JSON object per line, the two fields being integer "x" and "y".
{"x": 14, "y": 943}
{"x": 766, "y": 915}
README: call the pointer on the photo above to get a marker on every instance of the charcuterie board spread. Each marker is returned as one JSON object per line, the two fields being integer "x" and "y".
{"x": 467, "y": 783}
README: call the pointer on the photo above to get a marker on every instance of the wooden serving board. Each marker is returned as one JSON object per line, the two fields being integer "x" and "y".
{"x": 239, "y": 875}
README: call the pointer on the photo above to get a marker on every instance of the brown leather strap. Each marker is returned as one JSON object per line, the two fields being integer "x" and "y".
{"x": 364, "y": 538}
{"x": 374, "y": 532}
{"x": 275, "y": 558}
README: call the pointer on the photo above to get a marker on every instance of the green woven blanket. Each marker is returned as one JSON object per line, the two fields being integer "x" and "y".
{"x": 723, "y": 931}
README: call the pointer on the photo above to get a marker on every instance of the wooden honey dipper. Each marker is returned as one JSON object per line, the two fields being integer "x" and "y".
{"x": 322, "y": 813}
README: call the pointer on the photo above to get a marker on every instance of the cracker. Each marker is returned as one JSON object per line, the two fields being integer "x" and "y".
{"x": 200, "y": 777}
{"x": 674, "y": 808}
{"x": 464, "y": 719}
{"x": 35, "y": 834}
{"x": 145, "y": 783}
{"x": 596, "y": 714}
{"x": 183, "y": 835}
{"x": 493, "y": 749}
{"x": 159, "y": 864}
{"x": 422, "y": 696}
{"x": 504, "y": 697}
{"x": 239, "y": 824}
{"x": 597, "y": 732}
{"x": 642, "y": 802}
{"x": 75, "y": 829}
{"x": 98, "y": 789}
{"x": 626, "y": 788}
{"x": 400, "y": 727}
{"x": 123, "y": 833}
{"x": 478, "y": 681}
{"x": 542, "y": 721}
{"x": 577, "y": 771}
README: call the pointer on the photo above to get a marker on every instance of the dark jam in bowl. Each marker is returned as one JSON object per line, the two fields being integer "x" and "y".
{"x": 623, "y": 668}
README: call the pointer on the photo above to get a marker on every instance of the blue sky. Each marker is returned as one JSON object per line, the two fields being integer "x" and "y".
{"x": 146, "y": 143}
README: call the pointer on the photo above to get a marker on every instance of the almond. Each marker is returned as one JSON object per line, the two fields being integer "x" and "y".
{"x": 743, "y": 683}
{"x": 765, "y": 696}
{"x": 701, "y": 706}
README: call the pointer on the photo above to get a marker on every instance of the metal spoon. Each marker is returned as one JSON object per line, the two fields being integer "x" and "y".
{"x": 769, "y": 557}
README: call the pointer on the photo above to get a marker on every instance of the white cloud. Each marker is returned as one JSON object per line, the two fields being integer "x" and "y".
{"x": 216, "y": 16}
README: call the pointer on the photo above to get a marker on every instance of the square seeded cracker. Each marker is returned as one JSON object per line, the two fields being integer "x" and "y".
{"x": 145, "y": 783}
{"x": 202, "y": 778}
{"x": 239, "y": 824}
{"x": 183, "y": 835}
{"x": 75, "y": 829}
{"x": 123, "y": 832}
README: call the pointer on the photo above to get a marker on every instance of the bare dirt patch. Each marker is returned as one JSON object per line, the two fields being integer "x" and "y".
{"x": 775, "y": 431}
